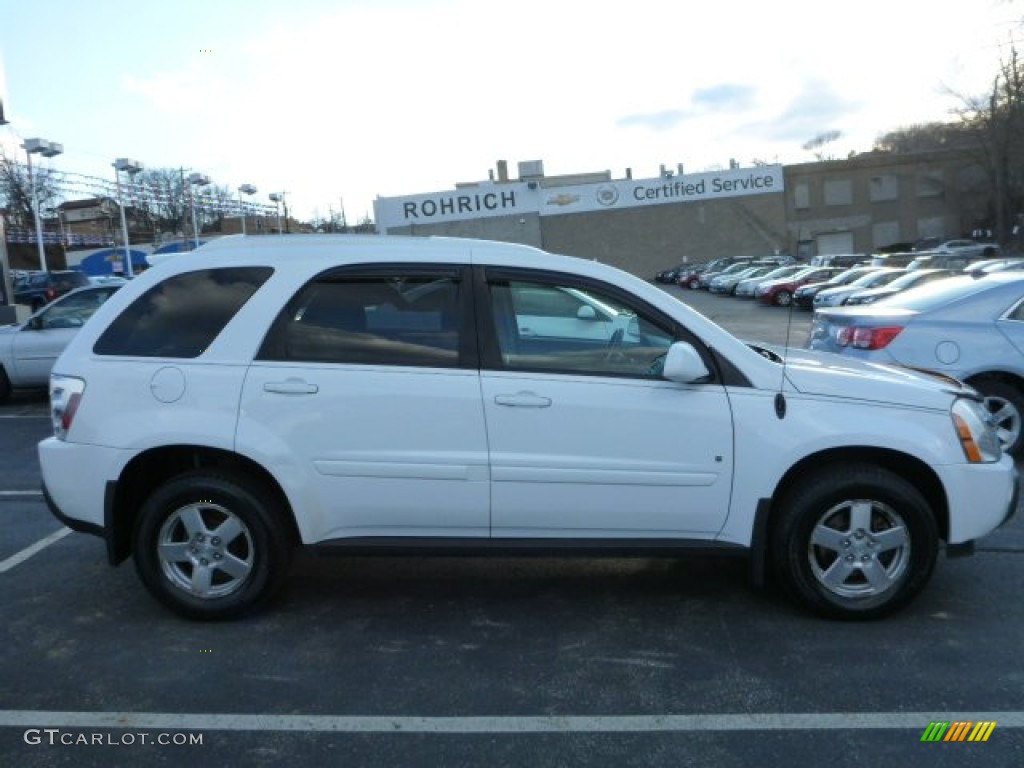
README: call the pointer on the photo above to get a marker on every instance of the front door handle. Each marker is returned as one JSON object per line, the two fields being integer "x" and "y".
{"x": 291, "y": 387}
{"x": 523, "y": 400}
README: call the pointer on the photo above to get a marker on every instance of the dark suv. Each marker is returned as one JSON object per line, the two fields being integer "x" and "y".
{"x": 41, "y": 288}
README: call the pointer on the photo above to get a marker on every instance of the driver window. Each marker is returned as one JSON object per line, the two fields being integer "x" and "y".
{"x": 574, "y": 329}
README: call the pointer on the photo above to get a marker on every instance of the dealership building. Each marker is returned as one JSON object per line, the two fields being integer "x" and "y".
{"x": 857, "y": 205}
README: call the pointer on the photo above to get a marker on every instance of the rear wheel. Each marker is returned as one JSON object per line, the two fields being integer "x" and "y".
{"x": 211, "y": 545}
{"x": 1005, "y": 404}
{"x": 854, "y": 542}
{"x": 783, "y": 298}
{"x": 5, "y": 386}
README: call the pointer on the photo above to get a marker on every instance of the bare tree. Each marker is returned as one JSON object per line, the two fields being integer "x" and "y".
{"x": 928, "y": 137}
{"x": 996, "y": 119}
{"x": 159, "y": 194}
{"x": 16, "y": 191}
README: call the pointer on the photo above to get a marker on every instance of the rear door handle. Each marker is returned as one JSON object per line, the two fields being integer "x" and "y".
{"x": 523, "y": 400}
{"x": 291, "y": 387}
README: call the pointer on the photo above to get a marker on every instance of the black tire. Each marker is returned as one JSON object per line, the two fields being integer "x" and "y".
{"x": 1005, "y": 403}
{"x": 783, "y": 298}
{"x": 197, "y": 573}
{"x": 839, "y": 566}
{"x": 5, "y": 386}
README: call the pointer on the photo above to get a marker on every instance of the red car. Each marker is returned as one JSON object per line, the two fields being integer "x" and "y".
{"x": 780, "y": 292}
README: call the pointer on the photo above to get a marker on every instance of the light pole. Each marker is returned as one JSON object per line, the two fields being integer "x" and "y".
{"x": 131, "y": 167}
{"x": 245, "y": 189}
{"x": 277, "y": 198}
{"x": 46, "y": 149}
{"x": 196, "y": 180}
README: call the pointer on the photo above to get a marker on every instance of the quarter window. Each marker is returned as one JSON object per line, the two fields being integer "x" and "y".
{"x": 368, "y": 320}
{"x": 573, "y": 329}
{"x": 181, "y": 316}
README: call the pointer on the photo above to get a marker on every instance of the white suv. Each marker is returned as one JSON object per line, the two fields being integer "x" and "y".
{"x": 417, "y": 395}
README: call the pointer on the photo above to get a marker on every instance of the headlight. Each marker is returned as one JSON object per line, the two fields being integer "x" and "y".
{"x": 977, "y": 436}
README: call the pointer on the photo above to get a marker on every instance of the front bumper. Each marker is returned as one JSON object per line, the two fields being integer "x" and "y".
{"x": 982, "y": 497}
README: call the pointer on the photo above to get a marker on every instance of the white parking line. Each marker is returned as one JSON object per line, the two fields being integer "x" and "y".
{"x": 27, "y": 552}
{"x": 766, "y": 721}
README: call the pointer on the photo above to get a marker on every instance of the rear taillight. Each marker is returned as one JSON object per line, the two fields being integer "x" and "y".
{"x": 51, "y": 294}
{"x": 867, "y": 337}
{"x": 65, "y": 397}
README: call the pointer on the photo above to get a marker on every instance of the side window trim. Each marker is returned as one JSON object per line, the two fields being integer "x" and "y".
{"x": 490, "y": 351}
{"x": 468, "y": 352}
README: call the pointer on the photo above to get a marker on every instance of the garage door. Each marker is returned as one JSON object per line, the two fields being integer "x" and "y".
{"x": 835, "y": 242}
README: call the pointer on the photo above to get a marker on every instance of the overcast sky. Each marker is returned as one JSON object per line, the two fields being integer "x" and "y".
{"x": 331, "y": 100}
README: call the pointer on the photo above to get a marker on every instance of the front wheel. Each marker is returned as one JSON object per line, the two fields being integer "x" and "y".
{"x": 211, "y": 545}
{"x": 783, "y": 298}
{"x": 854, "y": 542}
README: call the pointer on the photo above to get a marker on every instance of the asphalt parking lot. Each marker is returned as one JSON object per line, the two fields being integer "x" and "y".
{"x": 493, "y": 662}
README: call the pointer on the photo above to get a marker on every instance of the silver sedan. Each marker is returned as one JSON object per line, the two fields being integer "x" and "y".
{"x": 970, "y": 328}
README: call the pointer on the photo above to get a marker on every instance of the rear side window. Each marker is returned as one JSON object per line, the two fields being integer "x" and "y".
{"x": 410, "y": 320}
{"x": 181, "y": 316}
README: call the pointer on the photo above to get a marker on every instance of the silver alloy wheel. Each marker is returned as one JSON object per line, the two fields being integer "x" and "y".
{"x": 205, "y": 550}
{"x": 1005, "y": 418}
{"x": 859, "y": 548}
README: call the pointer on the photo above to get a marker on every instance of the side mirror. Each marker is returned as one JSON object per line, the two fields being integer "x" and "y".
{"x": 683, "y": 364}
{"x": 586, "y": 312}
{"x": 36, "y": 323}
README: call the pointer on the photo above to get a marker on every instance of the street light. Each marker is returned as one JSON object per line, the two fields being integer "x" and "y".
{"x": 194, "y": 180}
{"x": 46, "y": 149}
{"x": 245, "y": 189}
{"x": 277, "y": 198}
{"x": 131, "y": 167}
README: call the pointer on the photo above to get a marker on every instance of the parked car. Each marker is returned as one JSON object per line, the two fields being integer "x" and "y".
{"x": 745, "y": 288}
{"x": 834, "y": 297}
{"x": 671, "y": 274}
{"x": 803, "y": 297}
{"x": 40, "y": 288}
{"x": 780, "y": 292}
{"x": 994, "y": 265}
{"x": 107, "y": 280}
{"x": 962, "y": 246}
{"x": 902, "y": 283}
{"x": 732, "y": 269}
{"x": 846, "y": 260}
{"x": 944, "y": 260}
{"x": 970, "y": 328}
{"x": 29, "y": 349}
{"x": 376, "y": 394}
{"x": 690, "y": 278}
{"x": 725, "y": 283}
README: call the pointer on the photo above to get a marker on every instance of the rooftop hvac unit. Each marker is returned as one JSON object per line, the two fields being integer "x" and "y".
{"x": 531, "y": 169}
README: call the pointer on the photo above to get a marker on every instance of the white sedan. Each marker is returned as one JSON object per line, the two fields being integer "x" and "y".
{"x": 28, "y": 350}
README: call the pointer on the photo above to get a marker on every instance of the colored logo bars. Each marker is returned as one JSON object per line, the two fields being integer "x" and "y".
{"x": 958, "y": 730}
